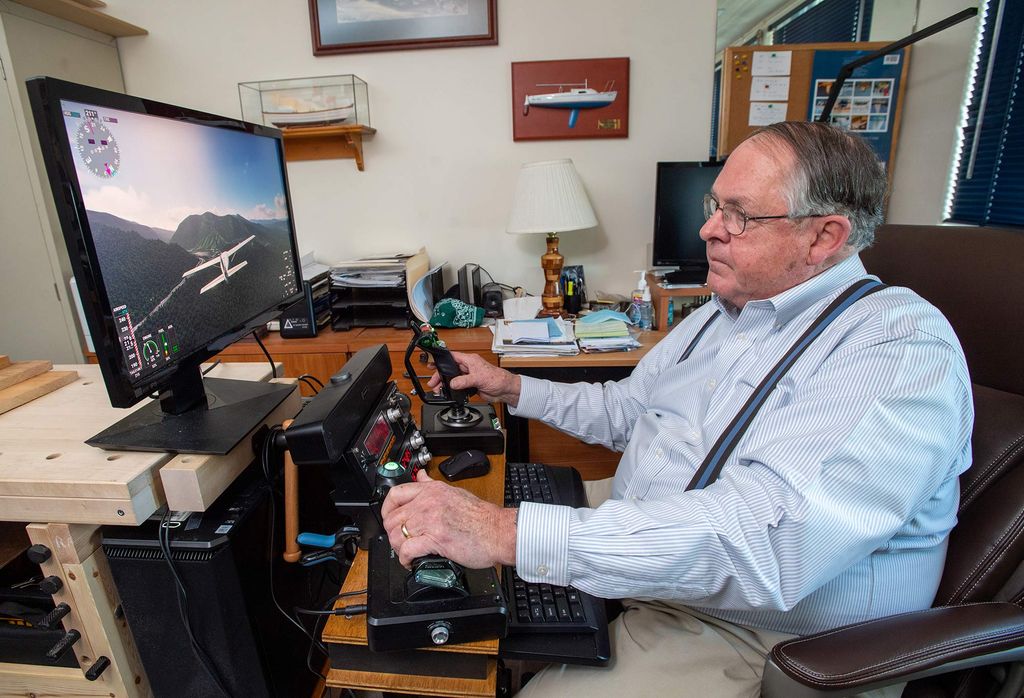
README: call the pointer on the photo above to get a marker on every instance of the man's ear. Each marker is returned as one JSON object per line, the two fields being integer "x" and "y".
{"x": 832, "y": 234}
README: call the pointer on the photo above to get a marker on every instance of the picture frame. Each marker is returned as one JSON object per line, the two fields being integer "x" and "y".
{"x": 355, "y": 26}
{"x": 578, "y": 98}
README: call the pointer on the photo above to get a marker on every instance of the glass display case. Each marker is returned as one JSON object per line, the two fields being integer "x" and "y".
{"x": 333, "y": 100}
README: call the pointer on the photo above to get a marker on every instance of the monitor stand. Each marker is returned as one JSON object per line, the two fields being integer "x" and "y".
{"x": 687, "y": 275}
{"x": 217, "y": 415}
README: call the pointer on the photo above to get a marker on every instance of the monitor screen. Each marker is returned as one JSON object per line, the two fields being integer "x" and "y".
{"x": 179, "y": 229}
{"x": 679, "y": 213}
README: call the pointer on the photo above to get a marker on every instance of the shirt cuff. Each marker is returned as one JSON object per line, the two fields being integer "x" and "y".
{"x": 542, "y": 543}
{"x": 533, "y": 398}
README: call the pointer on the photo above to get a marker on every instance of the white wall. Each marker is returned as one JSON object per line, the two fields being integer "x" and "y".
{"x": 931, "y": 110}
{"x": 442, "y": 167}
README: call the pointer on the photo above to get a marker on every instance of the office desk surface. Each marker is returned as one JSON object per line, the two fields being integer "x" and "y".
{"x": 48, "y": 473}
{"x": 352, "y": 631}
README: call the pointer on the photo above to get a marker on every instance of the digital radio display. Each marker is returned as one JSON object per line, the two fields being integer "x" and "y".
{"x": 377, "y": 439}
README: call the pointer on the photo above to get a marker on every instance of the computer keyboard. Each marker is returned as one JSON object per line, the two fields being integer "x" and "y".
{"x": 544, "y": 607}
{"x": 527, "y": 482}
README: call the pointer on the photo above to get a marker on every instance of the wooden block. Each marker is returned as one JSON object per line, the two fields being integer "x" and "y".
{"x": 192, "y": 481}
{"x": 18, "y": 680}
{"x": 29, "y": 390}
{"x": 22, "y": 370}
{"x": 4, "y": 361}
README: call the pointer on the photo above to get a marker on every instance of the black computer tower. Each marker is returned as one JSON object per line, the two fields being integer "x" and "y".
{"x": 223, "y": 559}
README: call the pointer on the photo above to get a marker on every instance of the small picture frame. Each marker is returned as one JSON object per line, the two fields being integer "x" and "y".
{"x": 354, "y": 26}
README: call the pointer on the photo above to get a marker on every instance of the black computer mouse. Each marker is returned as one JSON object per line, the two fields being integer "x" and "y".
{"x": 464, "y": 464}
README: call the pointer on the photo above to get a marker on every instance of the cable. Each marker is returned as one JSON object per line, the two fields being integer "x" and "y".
{"x": 347, "y": 611}
{"x": 312, "y": 378}
{"x": 273, "y": 368}
{"x": 504, "y": 286}
{"x": 310, "y": 383}
{"x": 164, "y": 540}
{"x": 212, "y": 366}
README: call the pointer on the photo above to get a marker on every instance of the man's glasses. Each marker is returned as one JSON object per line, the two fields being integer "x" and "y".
{"x": 733, "y": 217}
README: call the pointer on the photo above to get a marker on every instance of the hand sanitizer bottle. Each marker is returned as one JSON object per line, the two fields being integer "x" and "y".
{"x": 641, "y": 311}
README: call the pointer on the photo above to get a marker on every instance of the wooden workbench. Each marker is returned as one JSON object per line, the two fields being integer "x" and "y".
{"x": 49, "y": 475}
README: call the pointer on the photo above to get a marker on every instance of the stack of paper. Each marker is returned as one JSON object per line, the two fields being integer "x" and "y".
{"x": 373, "y": 271}
{"x": 604, "y": 332}
{"x": 547, "y": 337}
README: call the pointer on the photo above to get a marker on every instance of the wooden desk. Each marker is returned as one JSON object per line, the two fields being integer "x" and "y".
{"x": 347, "y": 637}
{"x": 48, "y": 473}
{"x": 539, "y": 443}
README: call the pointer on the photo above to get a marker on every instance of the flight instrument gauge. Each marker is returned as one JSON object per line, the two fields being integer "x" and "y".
{"x": 97, "y": 147}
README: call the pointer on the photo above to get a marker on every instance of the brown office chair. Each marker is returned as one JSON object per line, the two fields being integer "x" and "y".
{"x": 971, "y": 642}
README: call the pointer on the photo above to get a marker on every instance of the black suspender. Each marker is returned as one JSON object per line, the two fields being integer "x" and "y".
{"x": 710, "y": 469}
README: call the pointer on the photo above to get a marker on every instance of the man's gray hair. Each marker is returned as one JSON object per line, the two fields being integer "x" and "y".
{"x": 836, "y": 174}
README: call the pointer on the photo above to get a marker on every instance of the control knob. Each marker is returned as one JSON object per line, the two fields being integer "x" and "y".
{"x": 440, "y": 632}
{"x": 394, "y": 414}
{"x": 416, "y": 440}
{"x": 423, "y": 458}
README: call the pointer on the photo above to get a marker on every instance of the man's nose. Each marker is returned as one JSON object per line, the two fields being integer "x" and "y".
{"x": 714, "y": 228}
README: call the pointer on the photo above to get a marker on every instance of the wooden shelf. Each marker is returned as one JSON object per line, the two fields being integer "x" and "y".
{"x": 662, "y": 298}
{"x": 78, "y": 13}
{"x": 326, "y": 142}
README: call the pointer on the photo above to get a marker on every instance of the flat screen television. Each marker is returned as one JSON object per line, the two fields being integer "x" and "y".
{"x": 179, "y": 230}
{"x": 678, "y": 217}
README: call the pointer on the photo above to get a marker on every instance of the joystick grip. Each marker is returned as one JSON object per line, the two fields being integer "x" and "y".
{"x": 448, "y": 368}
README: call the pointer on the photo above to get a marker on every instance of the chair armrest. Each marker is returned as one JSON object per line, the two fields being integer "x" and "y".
{"x": 895, "y": 649}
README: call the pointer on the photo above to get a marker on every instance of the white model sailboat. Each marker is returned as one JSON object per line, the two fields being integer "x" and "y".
{"x": 575, "y": 98}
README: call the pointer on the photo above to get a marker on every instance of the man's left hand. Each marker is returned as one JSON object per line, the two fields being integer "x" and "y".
{"x": 448, "y": 521}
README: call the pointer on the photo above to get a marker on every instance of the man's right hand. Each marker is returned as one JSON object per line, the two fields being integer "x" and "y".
{"x": 492, "y": 383}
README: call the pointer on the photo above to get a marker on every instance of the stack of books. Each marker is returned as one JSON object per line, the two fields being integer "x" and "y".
{"x": 547, "y": 337}
{"x": 604, "y": 335}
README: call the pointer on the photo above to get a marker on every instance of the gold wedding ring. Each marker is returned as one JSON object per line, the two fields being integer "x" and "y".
{"x": 405, "y": 532}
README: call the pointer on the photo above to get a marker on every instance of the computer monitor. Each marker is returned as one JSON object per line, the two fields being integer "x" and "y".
{"x": 678, "y": 217}
{"x": 180, "y": 236}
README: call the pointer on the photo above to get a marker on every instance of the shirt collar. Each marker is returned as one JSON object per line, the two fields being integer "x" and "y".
{"x": 791, "y": 302}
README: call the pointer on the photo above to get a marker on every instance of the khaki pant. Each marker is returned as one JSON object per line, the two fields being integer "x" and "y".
{"x": 666, "y": 649}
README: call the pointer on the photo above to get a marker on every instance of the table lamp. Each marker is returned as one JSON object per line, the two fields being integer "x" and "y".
{"x": 550, "y": 199}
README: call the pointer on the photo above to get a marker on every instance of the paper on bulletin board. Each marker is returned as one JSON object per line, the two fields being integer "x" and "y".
{"x": 769, "y": 89}
{"x": 771, "y": 63}
{"x": 766, "y": 113}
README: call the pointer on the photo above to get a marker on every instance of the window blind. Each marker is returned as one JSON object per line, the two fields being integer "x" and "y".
{"x": 987, "y": 178}
{"x": 818, "y": 21}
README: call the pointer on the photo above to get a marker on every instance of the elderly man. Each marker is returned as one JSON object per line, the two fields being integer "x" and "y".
{"x": 835, "y": 505}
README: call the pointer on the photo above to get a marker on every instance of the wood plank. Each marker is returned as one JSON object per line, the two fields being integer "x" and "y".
{"x": 85, "y": 16}
{"x": 20, "y": 680}
{"x": 78, "y": 510}
{"x": 22, "y": 370}
{"x": 29, "y": 390}
{"x": 417, "y": 685}
{"x": 5, "y": 361}
{"x": 193, "y": 481}
{"x": 89, "y": 590}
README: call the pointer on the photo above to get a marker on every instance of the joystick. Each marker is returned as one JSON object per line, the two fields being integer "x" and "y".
{"x": 449, "y": 423}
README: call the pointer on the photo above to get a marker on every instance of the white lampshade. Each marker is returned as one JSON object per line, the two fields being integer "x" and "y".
{"x": 550, "y": 199}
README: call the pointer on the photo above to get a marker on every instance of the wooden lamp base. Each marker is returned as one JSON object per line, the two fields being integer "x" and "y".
{"x": 551, "y": 262}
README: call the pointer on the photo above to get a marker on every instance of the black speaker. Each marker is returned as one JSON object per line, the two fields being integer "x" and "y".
{"x": 222, "y": 557}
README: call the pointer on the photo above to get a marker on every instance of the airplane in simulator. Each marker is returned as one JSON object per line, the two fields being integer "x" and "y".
{"x": 224, "y": 260}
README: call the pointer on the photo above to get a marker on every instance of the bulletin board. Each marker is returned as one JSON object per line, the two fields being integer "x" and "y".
{"x": 785, "y": 82}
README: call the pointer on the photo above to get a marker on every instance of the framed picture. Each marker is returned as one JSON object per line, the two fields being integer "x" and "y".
{"x": 352, "y": 26}
{"x": 585, "y": 98}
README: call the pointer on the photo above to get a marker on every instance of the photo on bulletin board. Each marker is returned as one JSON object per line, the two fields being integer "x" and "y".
{"x": 585, "y": 98}
{"x": 868, "y": 100}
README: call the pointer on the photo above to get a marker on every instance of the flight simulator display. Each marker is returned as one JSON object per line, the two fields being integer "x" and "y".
{"x": 189, "y": 224}
{"x": 180, "y": 236}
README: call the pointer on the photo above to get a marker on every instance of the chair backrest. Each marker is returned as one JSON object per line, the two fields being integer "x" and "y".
{"x": 975, "y": 276}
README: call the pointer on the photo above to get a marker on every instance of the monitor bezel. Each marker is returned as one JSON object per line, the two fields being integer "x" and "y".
{"x": 691, "y": 263}
{"x": 45, "y": 95}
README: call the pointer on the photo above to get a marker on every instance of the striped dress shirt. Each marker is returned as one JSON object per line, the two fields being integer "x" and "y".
{"x": 834, "y": 507}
